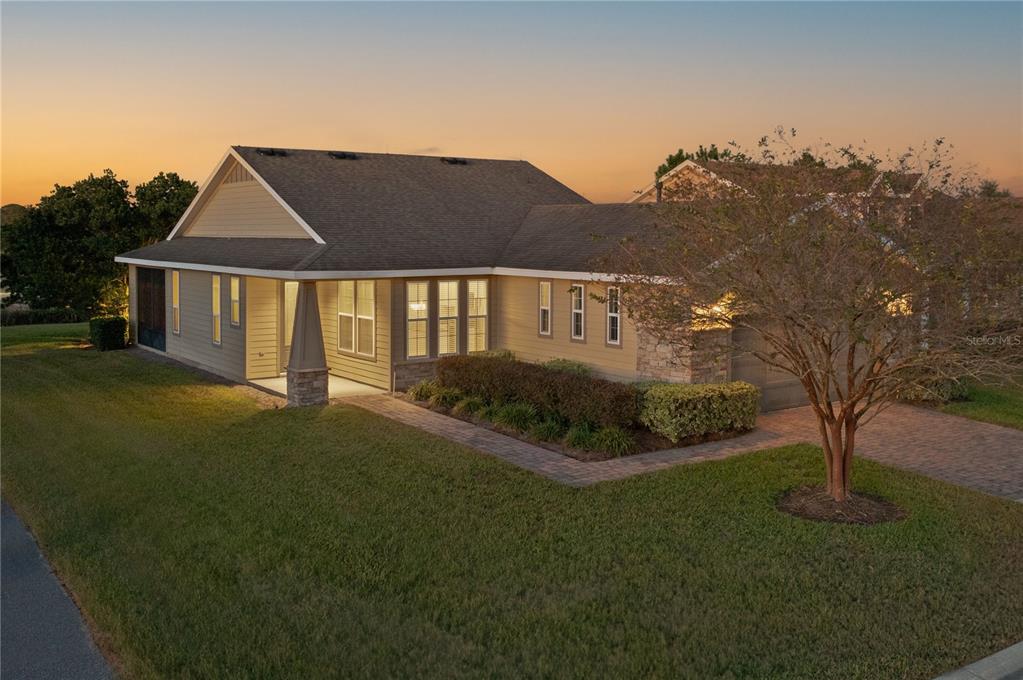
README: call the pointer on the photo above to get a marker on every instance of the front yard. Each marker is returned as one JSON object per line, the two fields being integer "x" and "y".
{"x": 998, "y": 404}
{"x": 206, "y": 536}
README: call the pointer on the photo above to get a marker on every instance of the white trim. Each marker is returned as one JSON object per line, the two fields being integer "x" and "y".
{"x": 441, "y": 318}
{"x": 573, "y": 311}
{"x": 372, "y": 319}
{"x": 202, "y": 190}
{"x": 616, "y": 315}
{"x": 554, "y": 274}
{"x": 470, "y": 316}
{"x": 341, "y": 314}
{"x": 540, "y": 309}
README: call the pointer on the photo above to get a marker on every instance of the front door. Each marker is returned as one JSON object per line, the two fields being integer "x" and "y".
{"x": 151, "y": 303}
{"x": 288, "y": 297}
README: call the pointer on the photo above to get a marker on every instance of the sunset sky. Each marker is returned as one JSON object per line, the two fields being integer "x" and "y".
{"x": 595, "y": 94}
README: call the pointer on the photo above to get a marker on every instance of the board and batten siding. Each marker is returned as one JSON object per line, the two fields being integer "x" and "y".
{"x": 261, "y": 328}
{"x": 515, "y": 325}
{"x": 241, "y": 207}
{"x": 374, "y": 371}
{"x": 194, "y": 344}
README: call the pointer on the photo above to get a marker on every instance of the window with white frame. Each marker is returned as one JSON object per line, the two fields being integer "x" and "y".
{"x": 614, "y": 316}
{"x": 417, "y": 310}
{"x": 478, "y": 311}
{"x": 215, "y": 302}
{"x": 236, "y": 301}
{"x": 346, "y": 316}
{"x": 578, "y": 312}
{"x": 356, "y": 317}
{"x": 447, "y": 317}
{"x": 545, "y": 308}
{"x": 176, "y": 302}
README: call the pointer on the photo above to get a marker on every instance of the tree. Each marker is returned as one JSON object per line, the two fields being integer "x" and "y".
{"x": 702, "y": 154}
{"x": 60, "y": 253}
{"x": 857, "y": 297}
{"x": 989, "y": 189}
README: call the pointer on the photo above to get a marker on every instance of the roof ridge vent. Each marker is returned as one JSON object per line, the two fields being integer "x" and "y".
{"x": 343, "y": 155}
{"x": 271, "y": 152}
{"x": 450, "y": 160}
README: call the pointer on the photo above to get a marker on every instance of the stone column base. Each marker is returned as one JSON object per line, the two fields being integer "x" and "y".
{"x": 308, "y": 386}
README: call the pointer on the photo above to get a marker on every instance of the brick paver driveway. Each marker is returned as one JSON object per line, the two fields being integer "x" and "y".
{"x": 977, "y": 455}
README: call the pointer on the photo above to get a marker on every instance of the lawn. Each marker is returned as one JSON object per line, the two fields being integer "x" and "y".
{"x": 998, "y": 404}
{"x": 205, "y": 536}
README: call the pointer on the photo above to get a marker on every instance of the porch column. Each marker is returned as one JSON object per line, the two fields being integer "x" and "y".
{"x": 307, "y": 363}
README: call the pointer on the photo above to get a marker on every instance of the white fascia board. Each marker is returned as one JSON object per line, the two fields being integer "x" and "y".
{"x": 554, "y": 274}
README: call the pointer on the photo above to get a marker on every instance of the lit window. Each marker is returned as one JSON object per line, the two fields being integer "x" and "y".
{"x": 365, "y": 306}
{"x": 418, "y": 304}
{"x": 176, "y": 301}
{"x": 346, "y": 316}
{"x": 478, "y": 310}
{"x": 614, "y": 317}
{"x": 545, "y": 308}
{"x": 236, "y": 301}
{"x": 447, "y": 317}
{"x": 578, "y": 312}
{"x": 216, "y": 308}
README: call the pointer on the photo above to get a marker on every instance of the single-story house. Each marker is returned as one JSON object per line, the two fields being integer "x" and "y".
{"x": 371, "y": 266}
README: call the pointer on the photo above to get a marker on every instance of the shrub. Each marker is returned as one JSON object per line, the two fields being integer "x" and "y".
{"x": 680, "y": 411}
{"x": 941, "y": 390}
{"x": 445, "y": 397}
{"x": 568, "y": 366}
{"x": 468, "y": 406}
{"x": 614, "y": 440}
{"x": 422, "y": 391}
{"x": 548, "y": 430}
{"x": 488, "y": 412}
{"x": 108, "y": 332}
{"x": 579, "y": 437}
{"x": 572, "y": 397}
{"x": 518, "y": 416}
{"x": 21, "y": 316}
{"x": 497, "y": 354}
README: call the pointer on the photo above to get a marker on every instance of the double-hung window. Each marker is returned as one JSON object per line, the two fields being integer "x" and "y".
{"x": 478, "y": 310}
{"x": 176, "y": 302}
{"x": 215, "y": 302}
{"x": 447, "y": 317}
{"x": 346, "y": 316}
{"x": 417, "y": 309}
{"x": 545, "y": 308}
{"x": 614, "y": 316}
{"x": 356, "y": 317}
{"x": 578, "y": 312}
{"x": 236, "y": 301}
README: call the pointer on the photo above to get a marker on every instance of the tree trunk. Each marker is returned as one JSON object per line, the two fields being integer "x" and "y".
{"x": 838, "y": 440}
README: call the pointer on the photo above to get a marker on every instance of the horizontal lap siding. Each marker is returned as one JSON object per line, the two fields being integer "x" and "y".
{"x": 516, "y": 312}
{"x": 194, "y": 344}
{"x": 261, "y": 333}
{"x": 244, "y": 209}
{"x": 372, "y": 371}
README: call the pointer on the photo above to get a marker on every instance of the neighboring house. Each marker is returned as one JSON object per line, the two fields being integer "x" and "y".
{"x": 371, "y": 266}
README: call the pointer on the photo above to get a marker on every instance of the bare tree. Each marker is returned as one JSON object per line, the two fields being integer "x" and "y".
{"x": 860, "y": 278}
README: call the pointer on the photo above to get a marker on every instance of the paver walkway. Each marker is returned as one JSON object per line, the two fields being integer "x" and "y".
{"x": 978, "y": 455}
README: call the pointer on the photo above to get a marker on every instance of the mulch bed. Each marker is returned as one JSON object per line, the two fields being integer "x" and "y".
{"x": 814, "y": 503}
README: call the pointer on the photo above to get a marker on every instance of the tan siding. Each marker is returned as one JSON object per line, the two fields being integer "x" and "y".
{"x": 195, "y": 343}
{"x": 372, "y": 371}
{"x": 261, "y": 333}
{"x": 515, "y": 325}
{"x": 243, "y": 208}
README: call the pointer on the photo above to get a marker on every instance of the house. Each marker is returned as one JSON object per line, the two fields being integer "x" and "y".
{"x": 371, "y": 266}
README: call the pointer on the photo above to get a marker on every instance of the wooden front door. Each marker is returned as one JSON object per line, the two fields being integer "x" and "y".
{"x": 152, "y": 308}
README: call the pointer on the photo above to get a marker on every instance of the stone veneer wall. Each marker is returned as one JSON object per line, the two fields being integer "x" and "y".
{"x": 408, "y": 374}
{"x": 659, "y": 361}
{"x": 308, "y": 386}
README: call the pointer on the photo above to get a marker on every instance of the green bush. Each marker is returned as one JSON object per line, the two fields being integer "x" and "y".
{"x": 21, "y": 316}
{"x": 568, "y": 366}
{"x": 468, "y": 406}
{"x": 579, "y": 437}
{"x": 680, "y": 411}
{"x": 445, "y": 397}
{"x": 518, "y": 416}
{"x": 108, "y": 332}
{"x": 939, "y": 391}
{"x": 573, "y": 398}
{"x": 548, "y": 430}
{"x": 422, "y": 391}
{"x": 614, "y": 440}
{"x": 497, "y": 354}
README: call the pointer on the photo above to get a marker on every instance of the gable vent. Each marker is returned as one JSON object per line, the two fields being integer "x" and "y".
{"x": 454, "y": 161}
{"x": 343, "y": 155}
{"x": 271, "y": 152}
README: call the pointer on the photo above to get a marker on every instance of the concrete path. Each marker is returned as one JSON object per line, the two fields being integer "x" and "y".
{"x": 1004, "y": 665}
{"x": 42, "y": 634}
{"x": 977, "y": 455}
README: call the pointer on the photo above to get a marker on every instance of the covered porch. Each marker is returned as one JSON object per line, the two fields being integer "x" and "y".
{"x": 337, "y": 387}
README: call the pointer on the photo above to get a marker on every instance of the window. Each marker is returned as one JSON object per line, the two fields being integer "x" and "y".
{"x": 578, "y": 312}
{"x": 417, "y": 309}
{"x": 545, "y": 308}
{"x": 478, "y": 315}
{"x": 447, "y": 317}
{"x": 356, "y": 317}
{"x": 216, "y": 308}
{"x": 176, "y": 302}
{"x": 614, "y": 316}
{"x": 236, "y": 301}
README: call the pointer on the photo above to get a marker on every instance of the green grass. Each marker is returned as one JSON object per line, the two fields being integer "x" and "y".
{"x": 1001, "y": 405}
{"x": 207, "y": 537}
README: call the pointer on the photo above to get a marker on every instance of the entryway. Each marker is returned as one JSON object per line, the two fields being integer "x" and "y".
{"x": 151, "y": 306}
{"x": 337, "y": 388}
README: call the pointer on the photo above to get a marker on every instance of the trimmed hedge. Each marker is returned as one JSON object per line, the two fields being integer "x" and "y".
{"x": 24, "y": 317}
{"x": 938, "y": 391}
{"x": 575, "y": 398}
{"x": 108, "y": 332}
{"x": 681, "y": 411}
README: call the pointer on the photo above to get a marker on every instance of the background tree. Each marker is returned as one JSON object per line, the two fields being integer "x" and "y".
{"x": 701, "y": 154}
{"x": 857, "y": 297}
